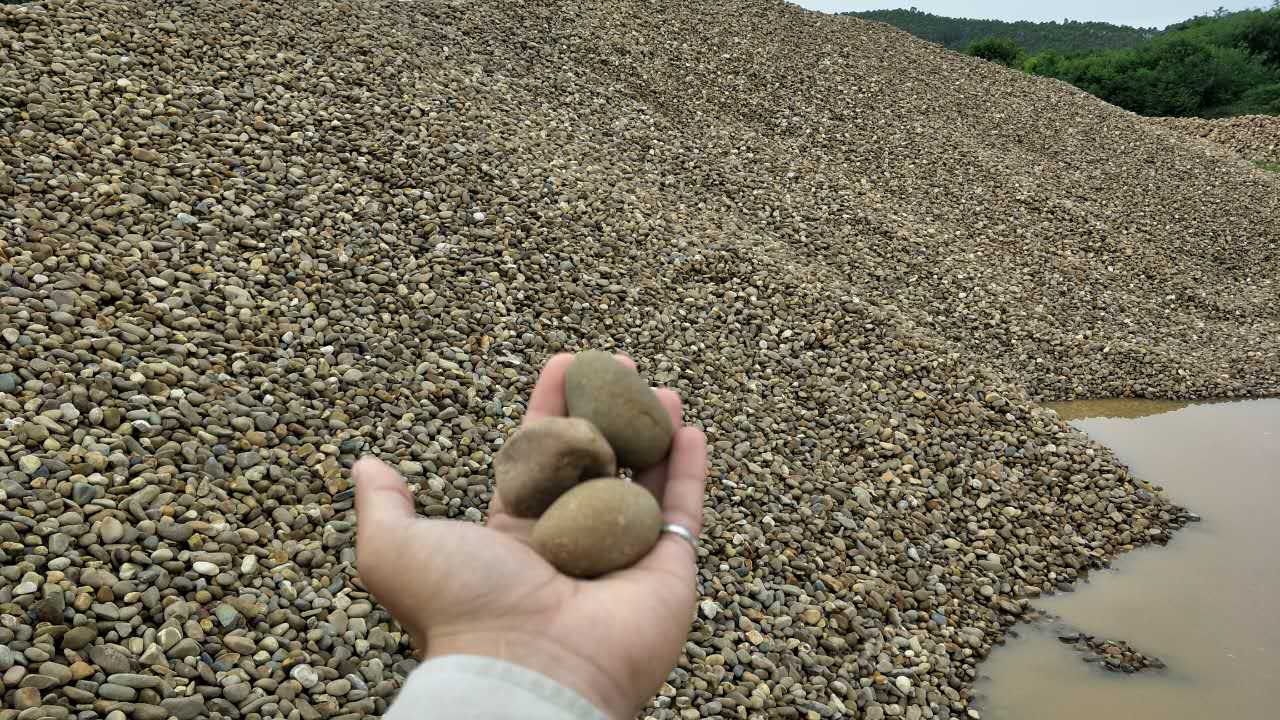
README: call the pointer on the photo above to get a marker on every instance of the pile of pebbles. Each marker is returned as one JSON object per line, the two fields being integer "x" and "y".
{"x": 243, "y": 243}
{"x": 1253, "y": 137}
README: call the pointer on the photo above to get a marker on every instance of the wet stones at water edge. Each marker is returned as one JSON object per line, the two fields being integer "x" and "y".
{"x": 1113, "y": 655}
{"x": 1110, "y": 654}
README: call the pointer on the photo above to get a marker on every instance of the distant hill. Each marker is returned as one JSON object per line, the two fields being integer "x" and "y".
{"x": 1218, "y": 65}
{"x": 1065, "y": 37}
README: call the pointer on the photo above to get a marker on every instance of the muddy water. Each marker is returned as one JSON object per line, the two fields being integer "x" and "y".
{"x": 1208, "y": 604}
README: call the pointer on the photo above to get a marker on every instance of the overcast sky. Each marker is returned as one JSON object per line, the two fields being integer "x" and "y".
{"x": 1139, "y": 13}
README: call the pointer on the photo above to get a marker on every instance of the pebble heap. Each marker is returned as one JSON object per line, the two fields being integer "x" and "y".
{"x": 1253, "y": 137}
{"x": 245, "y": 242}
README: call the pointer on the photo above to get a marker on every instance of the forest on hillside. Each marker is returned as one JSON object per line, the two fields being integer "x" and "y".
{"x": 1035, "y": 37}
{"x": 1217, "y": 65}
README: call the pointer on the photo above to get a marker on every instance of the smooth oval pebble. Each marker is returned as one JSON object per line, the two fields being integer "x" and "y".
{"x": 545, "y": 458}
{"x": 618, "y": 401}
{"x": 597, "y": 527}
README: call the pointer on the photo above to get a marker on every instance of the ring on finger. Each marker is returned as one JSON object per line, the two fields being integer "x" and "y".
{"x": 683, "y": 533}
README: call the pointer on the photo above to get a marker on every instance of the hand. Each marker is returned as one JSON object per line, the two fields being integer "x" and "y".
{"x": 460, "y": 588}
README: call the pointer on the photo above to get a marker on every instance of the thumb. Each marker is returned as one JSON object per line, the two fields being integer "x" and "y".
{"x": 383, "y": 507}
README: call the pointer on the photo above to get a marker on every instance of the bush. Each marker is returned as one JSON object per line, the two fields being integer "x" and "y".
{"x": 999, "y": 50}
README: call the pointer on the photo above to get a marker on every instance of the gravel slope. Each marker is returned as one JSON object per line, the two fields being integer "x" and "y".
{"x": 244, "y": 243}
{"x": 1253, "y": 137}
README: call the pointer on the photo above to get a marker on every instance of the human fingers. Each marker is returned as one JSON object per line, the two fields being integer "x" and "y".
{"x": 681, "y": 501}
{"x": 655, "y": 478}
{"x": 547, "y": 398}
{"x": 384, "y": 512}
{"x": 504, "y": 522}
{"x": 383, "y": 507}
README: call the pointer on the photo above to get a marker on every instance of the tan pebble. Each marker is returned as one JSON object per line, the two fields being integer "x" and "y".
{"x": 599, "y": 526}
{"x": 618, "y": 401}
{"x": 545, "y": 458}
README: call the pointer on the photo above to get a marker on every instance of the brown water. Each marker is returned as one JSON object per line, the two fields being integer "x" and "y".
{"x": 1208, "y": 604}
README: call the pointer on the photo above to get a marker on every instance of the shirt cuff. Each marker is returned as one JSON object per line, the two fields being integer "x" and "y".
{"x": 485, "y": 688}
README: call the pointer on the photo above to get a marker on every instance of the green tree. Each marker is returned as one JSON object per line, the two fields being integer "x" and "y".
{"x": 1065, "y": 37}
{"x": 1206, "y": 66}
{"x": 1261, "y": 35}
{"x": 999, "y": 50}
{"x": 1218, "y": 64}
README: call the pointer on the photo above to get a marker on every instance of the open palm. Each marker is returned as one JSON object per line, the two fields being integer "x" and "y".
{"x": 461, "y": 588}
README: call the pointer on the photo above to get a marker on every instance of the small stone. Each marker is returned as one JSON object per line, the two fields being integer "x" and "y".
{"x": 186, "y": 647}
{"x": 36, "y": 680}
{"x": 306, "y": 675}
{"x": 112, "y": 691}
{"x": 78, "y": 637}
{"x": 207, "y": 569}
{"x": 110, "y": 530}
{"x": 143, "y": 711}
{"x": 83, "y": 493}
{"x": 59, "y": 672}
{"x": 168, "y": 636}
{"x": 29, "y": 464}
{"x": 70, "y": 413}
{"x": 152, "y": 656}
{"x": 227, "y": 615}
{"x": 238, "y": 692}
{"x": 109, "y": 659}
{"x": 184, "y": 708}
{"x": 174, "y": 531}
{"x": 25, "y": 698}
{"x": 146, "y": 155}
{"x": 136, "y": 681}
{"x": 239, "y": 644}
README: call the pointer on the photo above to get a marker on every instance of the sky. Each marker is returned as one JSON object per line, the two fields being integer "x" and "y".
{"x": 1138, "y": 13}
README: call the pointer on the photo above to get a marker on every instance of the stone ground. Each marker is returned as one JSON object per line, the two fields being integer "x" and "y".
{"x": 244, "y": 243}
{"x": 1253, "y": 137}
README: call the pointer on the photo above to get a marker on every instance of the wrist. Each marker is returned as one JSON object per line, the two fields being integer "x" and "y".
{"x": 536, "y": 653}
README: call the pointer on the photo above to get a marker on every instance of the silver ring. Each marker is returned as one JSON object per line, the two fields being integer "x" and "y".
{"x": 683, "y": 533}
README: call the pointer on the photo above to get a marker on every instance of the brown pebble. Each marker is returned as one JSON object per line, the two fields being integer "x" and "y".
{"x": 618, "y": 401}
{"x": 602, "y": 525}
{"x": 545, "y": 458}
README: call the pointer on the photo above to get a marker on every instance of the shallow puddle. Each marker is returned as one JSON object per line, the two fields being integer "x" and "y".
{"x": 1208, "y": 604}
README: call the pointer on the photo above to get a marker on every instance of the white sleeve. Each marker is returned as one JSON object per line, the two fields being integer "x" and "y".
{"x": 483, "y": 688}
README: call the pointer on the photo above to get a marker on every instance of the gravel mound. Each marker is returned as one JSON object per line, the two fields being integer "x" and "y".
{"x": 246, "y": 242}
{"x": 1253, "y": 137}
